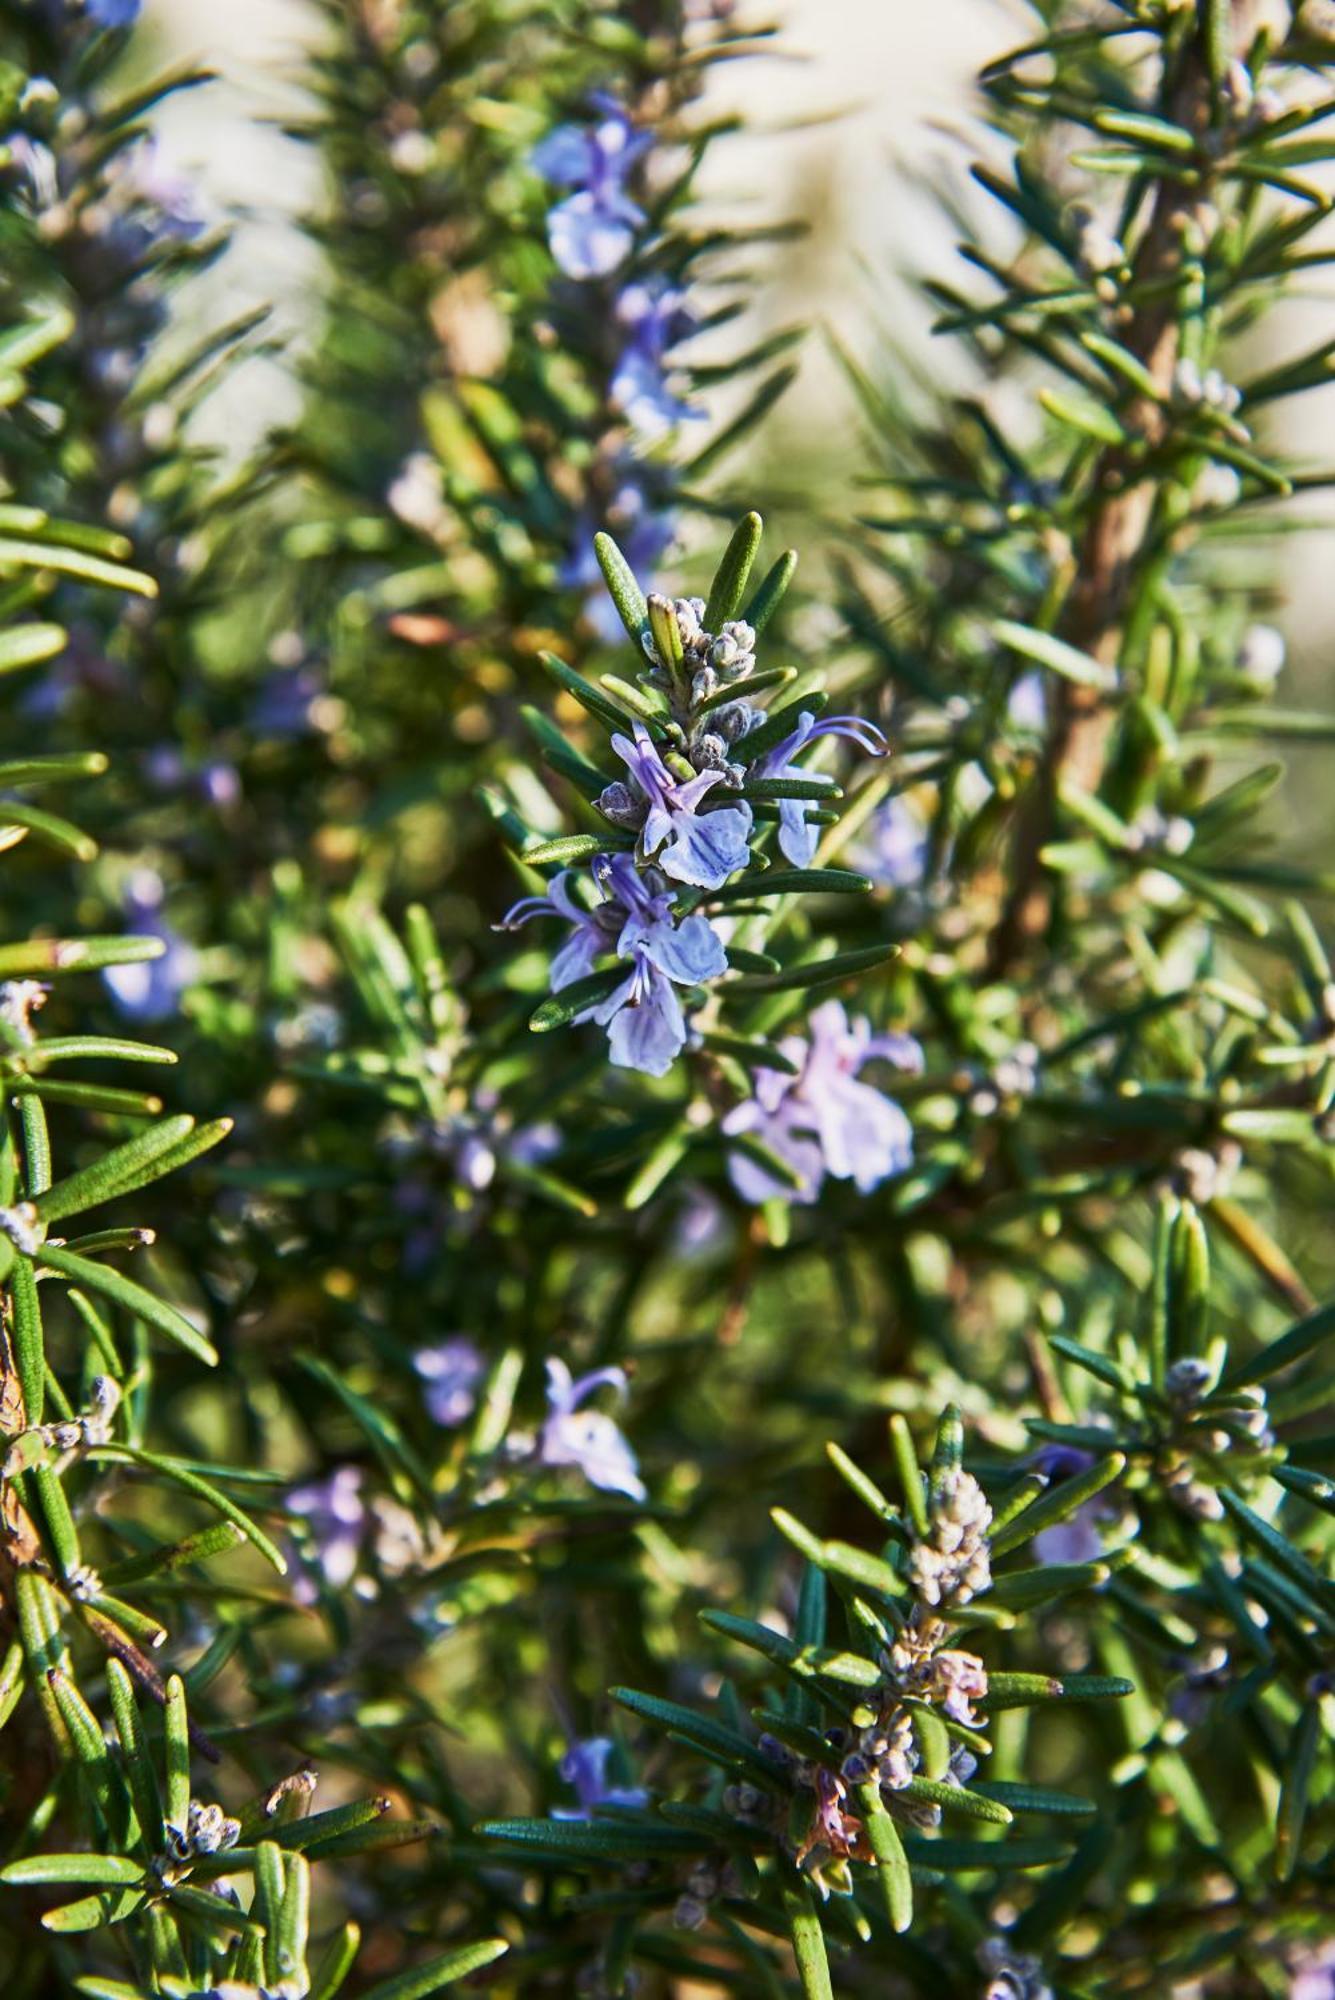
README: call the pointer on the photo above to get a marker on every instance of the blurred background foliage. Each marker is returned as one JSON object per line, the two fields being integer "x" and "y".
{"x": 290, "y": 573}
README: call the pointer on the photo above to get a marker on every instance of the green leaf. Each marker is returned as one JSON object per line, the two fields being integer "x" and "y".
{"x": 1279, "y": 1550}
{"x": 439, "y": 1972}
{"x": 15, "y": 554}
{"x": 910, "y": 1477}
{"x": 733, "y": 573}
{"x": 1090, "y": 419}
{"x": 1024, "y": 1589}
{"x": 585, "y": 693}
{"x": 1033, "y": 1798}
{"x": 388, "y": 1441}
{"x": 1023, "y": 1690}
{"x": 90, "y": 1913}
{"x": 596, "y": 1840}
{"x": 1300, "y": 1341}
{"x": 957, "y": 1798}
{"x": 176, "y": 1737}
{"x": 560, "y": 1009}
{"x": 771, "y": 592}
{"x": 815, "y": 972}
{"x": 892, "y": 1867}
{"x": 1059, "y": 1504}
{"x": 335, "y": 1963}
{"x": 201, "y": 1488}
{"x": 575, "y": 847}
{"x": 173, "y": 1143}
{"x": 111, "y": 1870}
{"x": 793, "y": 882}
{"x": 622, "y": 587}
{"x": 562, "y": 756}
{"x": 139, "y": 1771}
{"x": 808, "y": 1940}
{"x": 866, "y": 1489}
{"x": 1049, "y": 651}
{"x": 1295, "y": 1789}
{"x": 124, "y": 1292}
{"x": 41, "y": 958}
{"x": 703, "y": 1731}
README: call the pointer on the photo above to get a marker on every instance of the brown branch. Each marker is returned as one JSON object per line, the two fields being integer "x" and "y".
{"x": 1109, "y": 556}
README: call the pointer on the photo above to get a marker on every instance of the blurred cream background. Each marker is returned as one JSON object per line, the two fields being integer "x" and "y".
{"x": 854, "y": 87}
{"x": 856, "y": 82}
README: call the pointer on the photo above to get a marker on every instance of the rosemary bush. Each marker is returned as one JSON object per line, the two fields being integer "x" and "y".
{"x": 722, "y": 1380}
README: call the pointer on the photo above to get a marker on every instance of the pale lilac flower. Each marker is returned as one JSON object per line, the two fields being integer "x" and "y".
{"x": 113, "y": 13}
{"x": 150, "y": 989}
{"x": 588, "y": 1439}
{"x": 336, "y": 1517}
{"x": 593, "y": 229}
{"x": 585, "y": 1767}
{"x": 452, "y": 1371}
{"x": 797, "y": 836}
{"x": 150, "y": 175}
{"x": 823, "y": 1120}
{"x": 893, "y": 850}
{"x": 1261, "y": 654}
{"x": 702, "y": 849}
{"x": 643, "y": 1015}
{"x": 654, "y": 317}
{"x": 1077, "y": 1538}
{"x": 1027, "y": 704}
{"x": 1314, "y": 1978}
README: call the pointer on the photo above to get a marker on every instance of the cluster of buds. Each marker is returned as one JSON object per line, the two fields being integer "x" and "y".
{"x": 1099, "y": 255}
{"x": 207, "y": 1830}
{"x": 1208, "y": 1427}
{"x": 708, "y": 661}
{"x": 82, "y": 1583}
{"x": 922, "y": 1665}
{"x": 1011, "y": 1975}
{"x": 706, "y": 1880}
{"x": 1197, "y": 389}
{"x": 951, "y": 1563}
{"x": 1156, "y": 832}
{"x": 68, "y": 1434}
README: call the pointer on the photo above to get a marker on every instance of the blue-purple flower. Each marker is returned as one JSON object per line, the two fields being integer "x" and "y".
{"x": 452, "y": 1371}
{"x": 654, "y": 317}
{"x": 893, "y": 849}
{"x": 642, "y": 1014}
{"x": 113, "y": 13}
{"x": 702, "y": 849}
{"x": 584, "y": 1767}
{"x": 285, "y": 702}
{"x": 1076, "y": 1539}
{"x": 591, "y": 232}
{"x": 588, "y": 1439}
{"x": 824, "y": 1120}
{"x": 797, "y": 836}
{"x": 336, "y": 1519}
{"x": 150, "y": 989}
